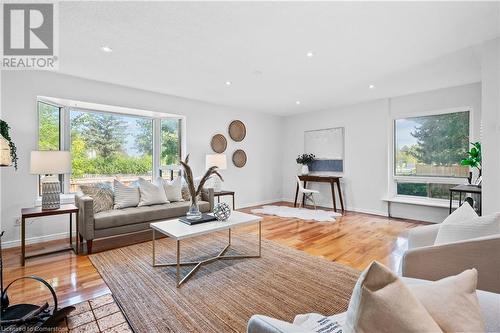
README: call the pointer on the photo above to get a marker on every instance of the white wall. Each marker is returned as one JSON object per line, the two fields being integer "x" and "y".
{"x": 259, "y": 181}
{"x": 490, "y": 72}
{"x": 367, "y": 140}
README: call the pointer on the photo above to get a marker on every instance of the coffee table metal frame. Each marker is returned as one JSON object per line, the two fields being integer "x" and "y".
{"x": 198, "y": 264}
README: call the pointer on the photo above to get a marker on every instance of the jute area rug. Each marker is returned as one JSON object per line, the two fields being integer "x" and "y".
{"x": 223, "y": 295}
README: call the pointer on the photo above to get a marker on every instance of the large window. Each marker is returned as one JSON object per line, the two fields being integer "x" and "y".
{"x": 106, "y": 146}
{"x": 427, "y": 153}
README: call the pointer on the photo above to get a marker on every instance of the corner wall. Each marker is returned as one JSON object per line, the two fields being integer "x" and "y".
{"x": 258, "y": 182}
{"x": 367, "y": 140}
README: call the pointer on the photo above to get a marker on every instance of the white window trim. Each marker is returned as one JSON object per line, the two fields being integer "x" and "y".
{"x": 65, "y": 135}
{"x": 394, "y": 179}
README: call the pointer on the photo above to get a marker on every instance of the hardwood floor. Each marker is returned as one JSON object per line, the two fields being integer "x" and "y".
{"x": 355, "y": 239}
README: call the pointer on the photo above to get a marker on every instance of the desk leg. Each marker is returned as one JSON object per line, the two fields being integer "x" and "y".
{"x": 23, "y": 241}
{"x": 333, "y": 197}
{"x": 340, "y": 195}
{"x": 234, "y": 207}
{"x": 451, "y": 200}
{"x": 296, "y": 195}
{"x": 218, "y": 199}
{"x": 77, "y": 234}
{"x": 304, "y": 196}
{"x": 71, "y": 229}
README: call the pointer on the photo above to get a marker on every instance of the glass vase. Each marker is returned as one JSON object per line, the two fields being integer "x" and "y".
{"x": 194, "y": 211}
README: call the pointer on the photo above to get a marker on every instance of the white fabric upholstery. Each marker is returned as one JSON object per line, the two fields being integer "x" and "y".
{"x": 454, "y": 230}
{"x": 173, "y": 188}
{"x": 422, "y": 236}
{"x": 125, "y": 196}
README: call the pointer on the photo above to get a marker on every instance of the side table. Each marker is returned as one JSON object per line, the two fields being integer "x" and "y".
{"x": 33, "y": 212}
{"x": 223, "y": 193}
{"x": 465, "y": 189}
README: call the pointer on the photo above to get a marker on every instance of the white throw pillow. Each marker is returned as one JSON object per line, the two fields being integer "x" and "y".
{"x": 151, "y": 194}
{"x": 173, "y": 188}
{"x": 464, "y": 224}
{"x": 313, "y": 322}
{"x": 125, "y": 196}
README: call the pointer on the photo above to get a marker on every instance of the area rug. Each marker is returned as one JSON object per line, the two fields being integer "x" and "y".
{"x": 300, "y": 213}
{"x": 223, "y": 295}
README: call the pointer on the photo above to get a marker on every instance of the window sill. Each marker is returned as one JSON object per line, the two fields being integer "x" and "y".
{"x": 429, "y": 202}
{"x": 65, "y": 199}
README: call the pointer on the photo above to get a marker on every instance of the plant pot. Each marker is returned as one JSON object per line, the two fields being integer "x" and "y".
{"x": 304, "y": 170}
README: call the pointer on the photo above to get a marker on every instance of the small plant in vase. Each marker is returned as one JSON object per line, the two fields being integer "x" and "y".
{"x": 305, "y": 160}
{"x": 473, "y": 160}
{"x": 194, "y": 211}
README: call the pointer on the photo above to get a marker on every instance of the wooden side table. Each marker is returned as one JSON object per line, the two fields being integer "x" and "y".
{"x": 223, "y": 193}
{"x": 32, "y": 212}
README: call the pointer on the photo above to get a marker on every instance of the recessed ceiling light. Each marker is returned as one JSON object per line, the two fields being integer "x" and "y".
{"x": 310, "y": 54}
{"x": 106, "y": 49}
{"x": 297, "y": 102}
{"x": 228, "y": 83}
{"x": 371, "y": 86}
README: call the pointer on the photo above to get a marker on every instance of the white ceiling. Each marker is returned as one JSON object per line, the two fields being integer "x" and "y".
{"x": 190, "y": 49}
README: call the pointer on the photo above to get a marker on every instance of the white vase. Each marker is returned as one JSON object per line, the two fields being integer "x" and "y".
{"x": 304, "y": 170}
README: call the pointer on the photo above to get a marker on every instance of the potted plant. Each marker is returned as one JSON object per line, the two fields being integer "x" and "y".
{"x": 473, "y": 160}
{"x": 194, "y": 211}
{"x": 7, "y": 144}
{"x": 305, "y": 160}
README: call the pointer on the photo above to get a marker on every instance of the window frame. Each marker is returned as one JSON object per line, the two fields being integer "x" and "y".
{"x": 65, "y": 134}
{"x": 394, "y": 179}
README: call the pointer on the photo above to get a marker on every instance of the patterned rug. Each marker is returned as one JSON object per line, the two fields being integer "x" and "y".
{"x": 223, "y": 295}
{"x": 99, "y": 315}
{"x": 300, "y": 213}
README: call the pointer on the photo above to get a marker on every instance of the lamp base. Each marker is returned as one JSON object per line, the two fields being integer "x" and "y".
{"x": 51, "y": 193}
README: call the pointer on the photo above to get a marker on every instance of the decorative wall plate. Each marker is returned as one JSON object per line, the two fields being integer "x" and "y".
{"x": 237, "y": 130}
{"x": 239, "y": 158}
{"x": 218, "y": 143}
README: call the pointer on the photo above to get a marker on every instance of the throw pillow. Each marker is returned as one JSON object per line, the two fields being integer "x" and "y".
{"x": 173, "y": 188}
{"x": 101, "y": 194}
{"x": 316, "y": 323}
{"x": 464, "y": 224}
{"x": 382, "y": 303}
{"x": 151, "y": 194}
{"x": 452, "y": 302}
{"x": 125, "y": 196}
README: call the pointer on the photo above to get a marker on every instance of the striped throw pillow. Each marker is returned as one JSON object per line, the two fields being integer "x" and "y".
{"x": 125, "y": 196}
{"x": 102, "y": 195}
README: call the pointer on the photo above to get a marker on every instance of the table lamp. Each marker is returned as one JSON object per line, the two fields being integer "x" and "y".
{"x": 51, "y": 164}
{"x": 220, "y": 161}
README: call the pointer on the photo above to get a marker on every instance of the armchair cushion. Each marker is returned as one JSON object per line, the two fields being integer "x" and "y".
{"x": 422, "y": 236}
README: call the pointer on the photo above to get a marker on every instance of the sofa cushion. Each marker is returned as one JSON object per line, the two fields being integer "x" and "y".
{"x": 119, "y": 217}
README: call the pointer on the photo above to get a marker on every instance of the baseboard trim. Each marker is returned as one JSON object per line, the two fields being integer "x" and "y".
{"x": 35, "y": 240}
{"x": 351, "y": 209}
{"x": 259, "y": 203}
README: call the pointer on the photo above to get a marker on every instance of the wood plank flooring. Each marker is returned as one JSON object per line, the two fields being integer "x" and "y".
{"x": 355, "y": 239}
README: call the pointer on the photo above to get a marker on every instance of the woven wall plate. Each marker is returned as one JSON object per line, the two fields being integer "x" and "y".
{"x": 218, "y": 143}
{"x": 237, "y": 130}
{"x": 239, "y": 158}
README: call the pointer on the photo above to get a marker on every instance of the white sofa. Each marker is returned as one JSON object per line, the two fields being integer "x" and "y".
{"x": 489, "y": 302}
{"x": 427, "y": 261}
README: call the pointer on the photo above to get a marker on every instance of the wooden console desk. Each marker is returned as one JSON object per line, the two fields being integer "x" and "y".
{"x": 332, "y": 180}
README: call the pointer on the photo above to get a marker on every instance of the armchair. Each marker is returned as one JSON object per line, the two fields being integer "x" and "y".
{"x": 427, "y": 261}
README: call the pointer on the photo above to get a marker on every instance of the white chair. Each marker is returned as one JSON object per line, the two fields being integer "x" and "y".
{"x": 308, "y": 194}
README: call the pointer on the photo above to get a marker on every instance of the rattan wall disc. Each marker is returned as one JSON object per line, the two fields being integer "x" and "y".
{"x": 239, "y": 158}
{"x": 218, "y": 143}
{"x": 237, "y": 130}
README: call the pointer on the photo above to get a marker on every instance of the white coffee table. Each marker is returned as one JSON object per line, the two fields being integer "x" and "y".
{"x": 179, "y": 231}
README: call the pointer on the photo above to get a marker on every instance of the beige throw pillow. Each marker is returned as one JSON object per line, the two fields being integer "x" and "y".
{"x": 151, "y": 194}
{"x": 452, "y": 302}
{"x": 173, "y": 188}
{"x": 101, "y": 194}
{"x": 382, "y": 303}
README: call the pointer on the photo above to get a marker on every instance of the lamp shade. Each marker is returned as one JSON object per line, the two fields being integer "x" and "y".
{"x": 218, "y": 160}
{"x": 50, "y": 162}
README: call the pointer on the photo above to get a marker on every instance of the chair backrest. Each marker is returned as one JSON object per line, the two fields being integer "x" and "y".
{"x": 299, "y": 182}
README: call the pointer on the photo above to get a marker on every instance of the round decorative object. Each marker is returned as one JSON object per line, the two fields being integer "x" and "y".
{"x": 222, "y": 211}
{"x": 218, "y": 143}
{"x": 239, "y": 158}
{"x": 237, "y": 130}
